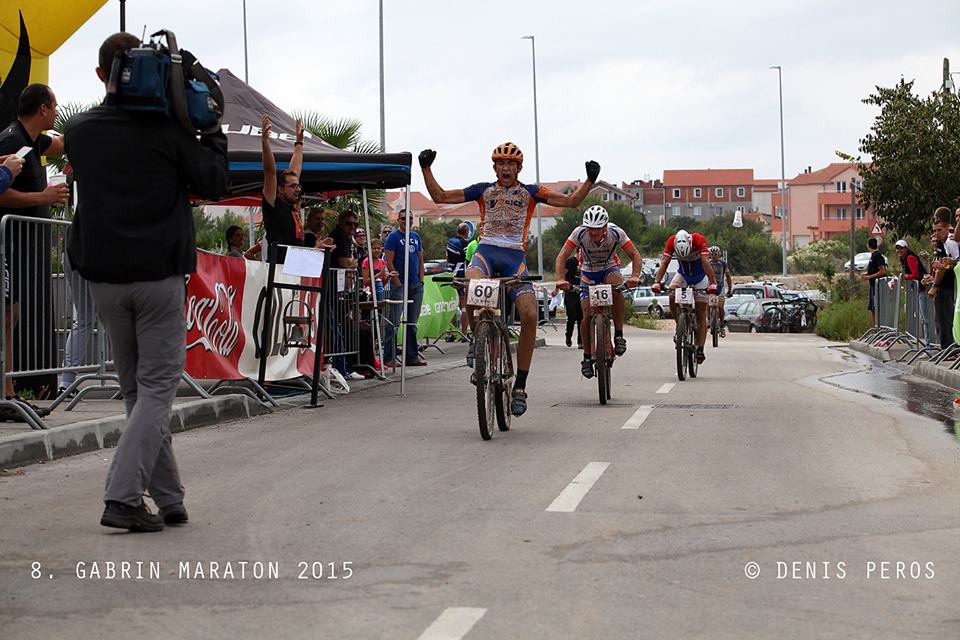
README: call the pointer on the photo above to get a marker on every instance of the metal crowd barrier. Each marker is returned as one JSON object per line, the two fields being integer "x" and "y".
{"x": 342, "y": 331}
{"x": 918, "y": 326}
{"x": 887, "y": 327}
{"x": 55, "y": 327}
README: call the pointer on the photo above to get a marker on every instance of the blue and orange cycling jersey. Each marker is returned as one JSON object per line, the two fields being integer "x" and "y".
{"x": 505, "y": 213}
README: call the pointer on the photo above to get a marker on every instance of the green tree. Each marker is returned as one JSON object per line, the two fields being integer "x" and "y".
{"x": 211, "y": 230}
{"x": 345, "y": 134}
{"x": 914, "y": 144}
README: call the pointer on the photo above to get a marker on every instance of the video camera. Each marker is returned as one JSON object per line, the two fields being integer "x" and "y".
{"x": 162, "y": 78}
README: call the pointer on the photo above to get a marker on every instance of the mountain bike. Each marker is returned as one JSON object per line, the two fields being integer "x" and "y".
{"x": 601, "y": 304}
{"x": 685, "y": 337}
{"x": 713, "y": 320}
{"x": 493, "y": 371}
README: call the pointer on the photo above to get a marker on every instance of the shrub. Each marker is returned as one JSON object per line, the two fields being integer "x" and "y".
{"x": 844, "y": 321}
{"x": 844, "y": 290}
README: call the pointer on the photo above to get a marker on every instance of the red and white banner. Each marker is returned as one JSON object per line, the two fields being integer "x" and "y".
{"x": 224, "y": 297}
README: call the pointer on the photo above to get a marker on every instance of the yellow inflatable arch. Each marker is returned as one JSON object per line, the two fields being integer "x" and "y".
{"x": 30, "y": 31}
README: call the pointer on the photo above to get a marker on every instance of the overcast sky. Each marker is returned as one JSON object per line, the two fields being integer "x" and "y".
{"x": 638, "y": 85}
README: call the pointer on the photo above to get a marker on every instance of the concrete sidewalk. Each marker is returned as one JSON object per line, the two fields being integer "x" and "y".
{"x": 97, "y": 423}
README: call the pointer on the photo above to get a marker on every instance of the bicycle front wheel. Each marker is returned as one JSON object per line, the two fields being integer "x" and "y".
{"x": 503, "y": 389}
{"x": 598, "y": 339}
{"x": 692, "y": 348}
{"x": 715, "y": 327}
{"x": 484, "y": 367}
{"x": 680, "y": 338}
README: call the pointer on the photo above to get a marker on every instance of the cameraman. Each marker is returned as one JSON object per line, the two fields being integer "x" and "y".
{"x": 133, "y": 239}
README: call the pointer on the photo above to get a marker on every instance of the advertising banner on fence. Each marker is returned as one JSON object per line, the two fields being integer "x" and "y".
{"x": 224, "y": 301}
{"x": 440, "y": 304}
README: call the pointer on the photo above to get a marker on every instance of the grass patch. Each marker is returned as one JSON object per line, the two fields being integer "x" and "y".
{"x": 844, "y": 321}
{"x": 642, "y": 321}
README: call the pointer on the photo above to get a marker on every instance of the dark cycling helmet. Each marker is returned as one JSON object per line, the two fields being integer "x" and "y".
{"x": 714, "y": 252}
{"x": 595, "y": 217}
{"x": 682, "y": 244}
{"x": 507, "y": 151}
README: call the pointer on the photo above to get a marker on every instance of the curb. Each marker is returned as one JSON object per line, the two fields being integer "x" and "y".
{"x": 937, "y": 373}
{"x": 878, "y": 354}
{"x": 100, "y": 433}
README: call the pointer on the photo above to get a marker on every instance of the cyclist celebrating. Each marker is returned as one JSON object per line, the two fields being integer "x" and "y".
{"x": 694, "y": 270}
{"x": 506, "y": 207}
{"x": 724, "y": 282}
{"x": 598, "y": 240}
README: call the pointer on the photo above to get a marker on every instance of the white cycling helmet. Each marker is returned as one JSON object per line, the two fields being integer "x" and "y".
{"x": 682, "y": 244}
{"x": 595, "y": 217}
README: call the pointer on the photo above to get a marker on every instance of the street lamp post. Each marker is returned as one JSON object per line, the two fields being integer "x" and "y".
{"x": 246, "y": 67}
{"x": 383, "y": 133}
{"x": 536, "y": 153}
{"x": 783, "y": 177}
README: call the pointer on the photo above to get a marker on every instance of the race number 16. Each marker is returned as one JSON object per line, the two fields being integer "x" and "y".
{"x": 601, "y": 295}
{"x": 483, "y": 293}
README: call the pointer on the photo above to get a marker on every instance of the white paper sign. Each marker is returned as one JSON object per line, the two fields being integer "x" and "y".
{"x": 341, "y": 280}
{"x": 684, "y": 296}
{"x": 483, "y": 293}
{"x": 304, "y": 262}
{"x": 601, "y": 295}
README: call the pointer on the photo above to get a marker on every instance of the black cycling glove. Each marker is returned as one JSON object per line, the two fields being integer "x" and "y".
{"x": 427, "y": 157}
{"x": 593, "y": 169}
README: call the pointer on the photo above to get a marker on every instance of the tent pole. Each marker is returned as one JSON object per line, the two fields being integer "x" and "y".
{"x": 377, "y": 342}
{"x": 406, "y": 292}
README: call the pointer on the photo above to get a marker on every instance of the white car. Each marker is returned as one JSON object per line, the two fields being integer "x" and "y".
{"x": 645, "y": 302}
{"x": 860, "y": 262}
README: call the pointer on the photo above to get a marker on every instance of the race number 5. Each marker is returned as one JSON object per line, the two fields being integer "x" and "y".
{"x": 483, "y": 293}
{"x": 601, "y": 295}
{"x": 685, "y": 296}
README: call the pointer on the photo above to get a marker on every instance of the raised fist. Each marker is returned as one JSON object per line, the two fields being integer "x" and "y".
{"x": 426, "y": 158}
{"x": 593, "y": 170}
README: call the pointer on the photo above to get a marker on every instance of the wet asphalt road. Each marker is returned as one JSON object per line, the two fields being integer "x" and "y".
{"x": 763, "y": 499}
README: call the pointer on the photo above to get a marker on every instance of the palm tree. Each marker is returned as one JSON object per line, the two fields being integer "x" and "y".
{"x": 345, "y": 134}
{"x": 64, "y": 113}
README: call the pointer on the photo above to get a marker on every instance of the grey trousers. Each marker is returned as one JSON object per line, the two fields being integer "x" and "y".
{"x": 147, "y": 328}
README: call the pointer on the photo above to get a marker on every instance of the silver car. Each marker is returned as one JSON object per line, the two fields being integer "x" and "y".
{"x": 645, "y": 302}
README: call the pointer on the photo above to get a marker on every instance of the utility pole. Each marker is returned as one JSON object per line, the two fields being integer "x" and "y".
{"x": 123, "y": 15}
{"x": 383, "y": 118}
{"x": 853, "y": 229}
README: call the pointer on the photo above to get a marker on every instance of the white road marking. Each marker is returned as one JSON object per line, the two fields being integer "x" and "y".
{"x": 570, "y": 497}
{"x": 666, "y": 388}
{"x": 637, "y": 418}
{"x": 453, "y": 623}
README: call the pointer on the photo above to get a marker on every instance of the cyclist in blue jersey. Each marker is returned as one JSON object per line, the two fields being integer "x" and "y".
{"x": 506, "y": 207}
{"x": 721, "y": 273}
{"x": 597, "y": 241}
{"x": 694, "y": 271}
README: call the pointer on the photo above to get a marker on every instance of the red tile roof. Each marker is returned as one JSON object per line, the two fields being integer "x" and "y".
{"x": 707, "y": 177}
{"x": 822, "y": 176}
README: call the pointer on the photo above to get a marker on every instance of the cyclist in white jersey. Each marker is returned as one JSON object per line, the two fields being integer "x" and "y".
{"x": 597, "y": 240}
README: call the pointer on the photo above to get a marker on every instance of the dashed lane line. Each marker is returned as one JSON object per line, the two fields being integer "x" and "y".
{"x": 570, "y": 497}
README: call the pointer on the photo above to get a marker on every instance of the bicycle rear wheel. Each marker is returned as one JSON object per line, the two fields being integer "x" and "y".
{"x": 680, "y": 338}
{"x": 715, "y": 327}
{"x": 598, "y": 339}
{"x": 504, "y": 385}
{"x": 484, "y": 367}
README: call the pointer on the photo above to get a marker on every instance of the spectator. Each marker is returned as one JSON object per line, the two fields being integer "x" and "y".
{"x": 10, "y": 168}
{"x": 345, "y": 251}
{"x": 314, "y": 235}
{"x": 876, "y": 268}
{"x": 281, "y": 193}
{"x": 133, "y": 240}
{"x": 236, "y": 238}
{"x": 394, "y": 257}
{"x": 360, "y": 240}
{"x": 29, "y": 195}
{"x": 380, "y": 275}
{"x": 913, "y": 269}
{"x": 571, "y": 301}
{"x": 942, "y": 289}
{"x": 384, "y": 232}
{"x": 457, "y": 265}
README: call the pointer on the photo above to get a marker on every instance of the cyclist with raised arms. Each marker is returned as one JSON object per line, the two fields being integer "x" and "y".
{"x": 598, "y": 239}
{"x": 721, "y": 274}
{"x": 694, "y": 271}
{"x": 506, "y": 207}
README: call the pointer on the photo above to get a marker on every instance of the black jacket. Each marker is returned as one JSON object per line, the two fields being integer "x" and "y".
{"x": 134, "y": 173}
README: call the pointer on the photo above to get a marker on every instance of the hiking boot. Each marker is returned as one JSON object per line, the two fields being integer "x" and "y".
{"x": 619, "y": 345}
{"x": 586, "y": 367}
{"x": 123, "y": 516}
{"x": 173, "y": 513}
{"x": 700, "y": 356}
{"x": 518, "y": 402}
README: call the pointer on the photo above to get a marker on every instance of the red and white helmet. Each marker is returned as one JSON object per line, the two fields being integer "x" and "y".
{"x": 682, "y": 244}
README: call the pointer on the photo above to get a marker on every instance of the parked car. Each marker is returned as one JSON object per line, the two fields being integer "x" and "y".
{"x": 645, "y": 302}
{"x": 757, "y": 290}
{"x": 433, "y": 267}
{"x": 759, "y": 314}
{"x": 860, "y": 262}
{"x": 731, "y": 303}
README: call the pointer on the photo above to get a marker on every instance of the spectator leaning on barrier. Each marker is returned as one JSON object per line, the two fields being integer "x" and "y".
{"x": 281, "y": 192}
{"x": 29, "y": 195}
{"x": 133, "y": 239}
{"x": 394, "y": 247}
{"x": 942, "y": 288}
{"x": 313, "y": 233}
{"x": 876, "y": 268}
{"x": 235, "y": 238}
{"x": 913, "y": 269}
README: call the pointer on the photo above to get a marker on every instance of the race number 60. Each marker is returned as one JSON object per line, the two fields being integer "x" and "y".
{"x": 601, "y": 295}
{"x": 483, "y": 293}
